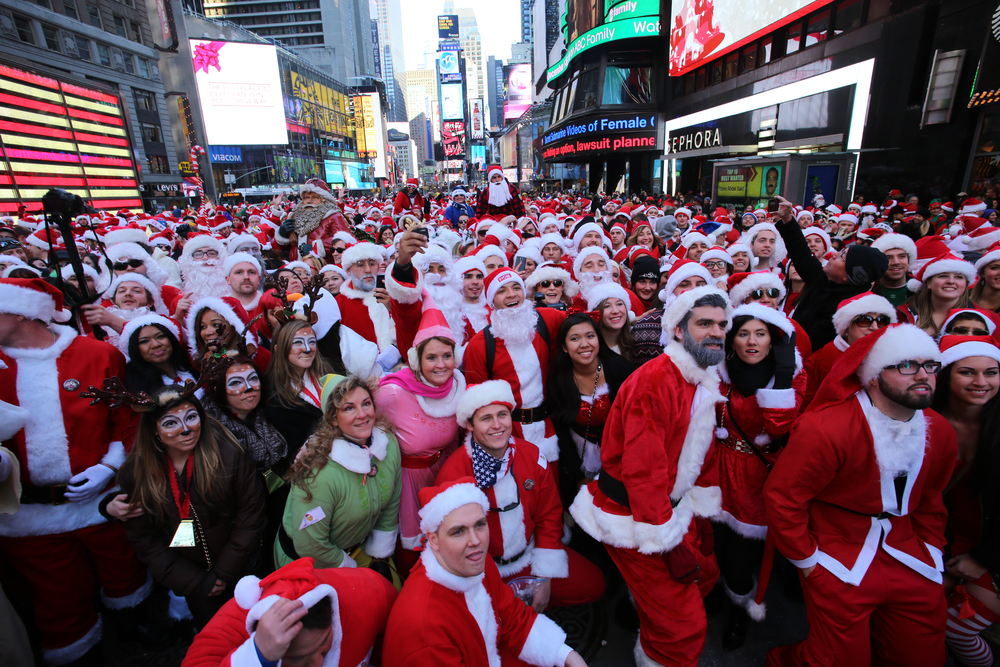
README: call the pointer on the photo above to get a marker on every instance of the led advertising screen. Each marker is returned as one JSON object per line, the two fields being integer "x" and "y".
{"x": 701, "y": 30}
{"x": 590, "y": 23}
{"x": 334, "y": 172}
{"x": 454, "y": 139}
{"x": 517, "y": 97}
{"x": 57, "y": 134}
{"x": 239, "y": 88}
{"x": 452, "y": 102}
{"x": 449, "y": 67}
{"x": 447, "y": 26}
{"x": 375, "y": 132}
{"x": 478, "y": 122}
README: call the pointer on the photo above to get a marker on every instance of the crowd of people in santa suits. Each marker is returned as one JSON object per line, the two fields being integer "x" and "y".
{"x": 348, "y": 431}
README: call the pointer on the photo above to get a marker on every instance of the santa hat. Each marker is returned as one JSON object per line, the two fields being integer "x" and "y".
{"x": 944, "y": 263}
{"x": 555, "y": 238}
{"x": 779, "y": 244}
{"x": 768, "y": 315}
{"x": 493, "y": 169}
{"x": 956, "y": 348}
{"x": 413, "y": 181}
{"x": 492, "y": 392}
{"x": 988, "y": 317}
{"x": 609, "y": 291}
{"x": 497, "y": 279}
{"x": 32, "y": 298}
{"x": 131, "y": 233}
{"x": 833, "y": 209}
{"x": 858, "y": 305}
{"x": 683, "y": 304}
{"x": 220, "y": 222}
{"x": 803, "y": 214}
{"x": 359, "y": 252}
{"x": 683, "y": 209}
{"x": 972, "y": 206}
{"x": 43, "y": 237}
{"x": 239, "y": 258}
{"x": 437, "y": 502}
{"x": 333, "y": 268}
{"x": 470, "y": 263}
{"x": 716, "y": 252}
{"x": 434, "y": 254}
{"x": 164, "y": 239}
{"x": 552, "y": 272}
{"x": 531, "y": 252}
{"x": 432, "y": 325}
{"x": 492, "y": 251}
{"x": 11, "y": 267}
{"x": 734, "y": 248}
{"x": 291, "y": 266}
{"x": 346, "y": 237}
{"x": 203, "y": 242}
{"x": 693, "y": 237}
{"x": 227, "y": 307}
{"x": 894, "y": 241}
{"x": 318, "y": 187}
{"x": 928, "y": 248}
{"x": 584, "y": 229}
{"x": 67, "y": 272}
{"x": 295, "y": 581}
{"x": 680, "y": 272}
{"x": 237, "y": 240}
{"x": 742, "y": 284}
{"x": 820, "y": 232}
{"x": 848, "y": 217}
{"x": 133, "y": 326}
{"x": 147, "y": 284}
{"x": 978, "y": 239}
{"x": 992, "y": 255}
{"x": 584, "y": 254}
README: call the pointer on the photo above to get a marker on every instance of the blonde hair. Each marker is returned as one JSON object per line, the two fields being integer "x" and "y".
{"x": 921, "y": 303}
{"x": 282, "y": 380}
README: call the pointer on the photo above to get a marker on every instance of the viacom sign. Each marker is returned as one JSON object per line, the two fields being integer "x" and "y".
{"x": 648, "y": 26}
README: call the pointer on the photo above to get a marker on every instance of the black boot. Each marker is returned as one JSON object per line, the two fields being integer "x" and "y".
{"x": 626, "y": 616}
{"x": 142, "y": 623}
{"x": 735, "y": 632}
{"x": 714, "y": 600}
{"x": 92, "y": 658}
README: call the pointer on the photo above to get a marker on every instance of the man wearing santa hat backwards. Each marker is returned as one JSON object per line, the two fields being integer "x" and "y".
{"x": 516, "y": 347}
{"x": 455, "y": 610}
{"x": 500, "y": 198}
{"x": 526, "y": 525}
{"x": 69, "y": 452}
{"x": 298, "y": 615}
{"x": 659, "y": 437}
{"x": 855, "y": 502}
{"x": 313, "y": 222}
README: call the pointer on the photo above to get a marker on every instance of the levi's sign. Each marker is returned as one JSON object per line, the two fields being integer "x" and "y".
{"x": 601, "y": 135}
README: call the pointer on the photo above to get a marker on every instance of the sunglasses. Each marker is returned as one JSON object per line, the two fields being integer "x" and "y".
{"x": 966, "y": 331}
{"x": 547, "y": 283}
{"x": 912, "y": 367}
{"x": 336, "y": 249}
{"x": 134, "y": 263}
{"x": 770, "y": 292}
{"x": 867, "y": 320}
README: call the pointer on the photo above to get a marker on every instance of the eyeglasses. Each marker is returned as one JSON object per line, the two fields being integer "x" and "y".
{"x": 912, "y": 367}
{"x": 770, "y": 292}
{"x": 202, "y": 254}
{"x": 122, "y": 266}
{"x": 867, "y": 320}
{"x": 715, "y": 264}
{"x": 547, "y": 283}
{"x": 966, "y": 331}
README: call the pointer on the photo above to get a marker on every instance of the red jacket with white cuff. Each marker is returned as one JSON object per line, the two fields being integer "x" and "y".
{"x": 531, "y": 532}
{"x": 829, "y": 503}
{"x": 659, "y": 436}
{"x": 64, "y": 435}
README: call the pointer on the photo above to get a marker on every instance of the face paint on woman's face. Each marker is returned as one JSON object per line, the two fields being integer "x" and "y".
{"x": 241, "y": 381}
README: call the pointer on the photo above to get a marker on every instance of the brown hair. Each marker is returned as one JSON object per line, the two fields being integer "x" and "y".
{"x": 423, "y": 346}
{"x": 625, "y": 340}
{"x": 282, "y": 380}
{"x": 316, "y": 451}
{"x": 657, "y": 241}
{"x": 921, "y": 303}
{"x": 199, "y": 344}
{"x": 980, "y": 286}
{"x": 148, "y": 461}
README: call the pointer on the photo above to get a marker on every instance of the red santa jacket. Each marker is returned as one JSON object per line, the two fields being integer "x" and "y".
{"x": 513, "y": 207}
{"x": 406, "y": 204}
{"x": 65, "y": 434}
{"x": 331, "y": 224}
{"x": 829, "y": 504}
{"x": 364, "y": 599}
{"x": 443, "y": 620}
{"x": 819, "y": 364}
{"x": 659, "y": 437}
{"x": 363, "y": 313}
{"x": 407, "y": 306}
{"x": 530, "y": 533}
{"x": 526, "y": 368}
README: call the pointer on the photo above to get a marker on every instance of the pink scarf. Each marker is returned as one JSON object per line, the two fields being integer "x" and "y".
{"x": 409, "y": 381}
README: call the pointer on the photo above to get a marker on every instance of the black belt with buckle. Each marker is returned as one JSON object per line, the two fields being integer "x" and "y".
{"x": 529, "y": 415}
{"x": 44, "y": 495}
{"x": 508, "y": 561}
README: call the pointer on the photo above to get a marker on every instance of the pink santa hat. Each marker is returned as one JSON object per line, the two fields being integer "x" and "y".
{"x": 432, "y": 325}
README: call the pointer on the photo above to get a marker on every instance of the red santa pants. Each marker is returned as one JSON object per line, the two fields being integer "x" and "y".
{"x": 584, "y": 584}
{"x": 61, "y": 570}
{"x": 895, "y": 617}
{"x": 672, "y": 621}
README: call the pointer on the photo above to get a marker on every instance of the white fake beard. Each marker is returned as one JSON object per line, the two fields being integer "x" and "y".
{"x": 204, "y": 279}
{"x": 589, "y": 281}
{"x": 359, "y": 284}
{"x": 499, "y": 193}
{"x": 129, "y": 315}
{"x": 449, "y": 302}
{"x": 515, "y": 326}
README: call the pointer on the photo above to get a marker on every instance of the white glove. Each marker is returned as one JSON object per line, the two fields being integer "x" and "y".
{"x": 94, "y": 478}
{"x": 388, "y": 359}
{"x": 6, "y": 466}
{"x": 348, "y": 562}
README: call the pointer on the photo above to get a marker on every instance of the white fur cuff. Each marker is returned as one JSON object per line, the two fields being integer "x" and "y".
{"x": 245, "y": 655}
{"x": 704, "y": 501}
{"x": 115, "y": 456}
{"x": 776, "y": 399}
{"x": 381, "y": 543}
{"x": 546, "y": 644}
{"x": 282, "y": 240}
{"x": 552, "y": 563}
{"x": 400, "y": 292}
{"x": 348, "y": 562}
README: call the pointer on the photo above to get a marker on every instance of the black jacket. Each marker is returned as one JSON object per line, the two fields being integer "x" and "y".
{"x": 819, "y": 300}
{"x": 295, "y": 423}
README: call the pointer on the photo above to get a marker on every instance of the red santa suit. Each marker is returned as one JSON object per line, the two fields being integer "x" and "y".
{"x": 61, "y": 548}
{"x": 360, "y": 310}
{"x": 527, "y": 539}
{"x": 405, "y": 203}
{"x": 858, "y": 496}
{"x": 659, "y": 436}
{"x": 361, "y": 600}
{"x": 818, "y": 366}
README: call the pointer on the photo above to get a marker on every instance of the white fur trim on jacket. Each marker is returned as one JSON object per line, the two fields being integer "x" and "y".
{"x": 360, "y": 251}
{"x": 552, "y": 563}
{"x": 747, "y": 530}
{"x": 740, "y": 292}
{"x": 546, "y": 644}
{"x": 872, "y": 303}
{"x": 441, "y": 505}
{"x": 402, "y": 293}
{"x": 899, "y": 343}
{"x": 385, "y": 332}
{"x": 381, "y": 543}
{"x": 549, "y": 272}
{"x": 477, "y": 396}
{"x": 776, "y": 399}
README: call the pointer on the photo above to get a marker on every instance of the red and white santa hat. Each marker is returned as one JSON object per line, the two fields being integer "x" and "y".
{"x": 531, "y": 252}
{"x": 230, "y": 309}
{"x": 295, "y": 581}
{"x": 681, "y": 305}
{"x": 734, "y": 248}
{"x": 491, "y": 392}
{"x": 203, "y": 242}
{"x": 679, "y": 272}
{"x": 493, "y": 169}
{"x": 820, "y": 232}
{"x": 858, "y": 305}
{"x": 586, "y": 228}
{"x": 236, "y": 241}
{"x": 928, "y": 248}
{"x": 989, "y": 318}
{"x": 133, "y": 326}
{"x": 32, "y": 298}
{"x": 130, "y": 233}
{"x": 239, "y": 258}
{"x": 956, "y": 348}
{"x": 318, "y": 187}
{"x": 582, "y": 256}
{"x": 470, "y": 263}
{"x": 550, "y": 271}
{"x": 220, "y": 222}
{"x": 716, "y": 252}
{"x": 742, "y": 284}
{"x": 551, "y": 237}
{"x": 432, "y": 325}
{"x": 895, "y": 241}
{"x": 498, "y": 279}
{"x": 944, "y": 263}
{"x": 604, "y": 291}
{"x": 897, "y": 343}
{"x": 333, "y": 268}
{"x": 972, "y": 206}
{"x": 780, "y": 252}
{"x": 492, "y": 251}
{"x": 683, "y": 210}
{"x": 980, "y": 238}
{"x": 67, "y": 272}
{"x": 147, "y": 284}
{"x": 43, "y": 237}
{"x": 437, "y": 502}
{"x": 359, "y": 252}
{"x": 992, "y": 255}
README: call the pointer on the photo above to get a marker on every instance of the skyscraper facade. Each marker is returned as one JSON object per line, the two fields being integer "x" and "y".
{"x": 390, "y": 46}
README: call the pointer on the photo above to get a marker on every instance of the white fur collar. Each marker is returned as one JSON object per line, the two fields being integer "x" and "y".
{"x": 689, "y": 368}
{"x": 440, "y": 408}
{"x": 840, "y": 343}
{"x": 439, "y": 575}
{"x": 357, "y": 458}
{"x": 385, "y": 332}
{"x": 899, "y": 446}
{"x": 64, "y": 337}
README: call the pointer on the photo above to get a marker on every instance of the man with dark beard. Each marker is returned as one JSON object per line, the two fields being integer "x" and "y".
{"x": 310, "y": 228}
{"x": 500, "y": 198}
{"x": 516, "y": 347}
{"x": 855, "y": 502}
{"x": 659, "y": 437}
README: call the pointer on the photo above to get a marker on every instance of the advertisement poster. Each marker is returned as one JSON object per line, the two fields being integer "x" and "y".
{"x": 452, "y": 102}
{"x": 581, "y": 16}
{"x": 449, "y": 67}
{"x": 454, "y": 139}
{"x": 821, "y": 179}
{"x": 447, "y": 26}
{"x": 240, "y": 92}
{"x": 478, "y": 122}
{"x": 764, "y": 182}
{"x": 518, "y": 94}
{"x": 705, "y": 29}
{"x": 732, "y": 182}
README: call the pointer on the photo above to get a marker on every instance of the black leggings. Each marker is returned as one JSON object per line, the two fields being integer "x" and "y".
{"x": 738, "y": 557}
